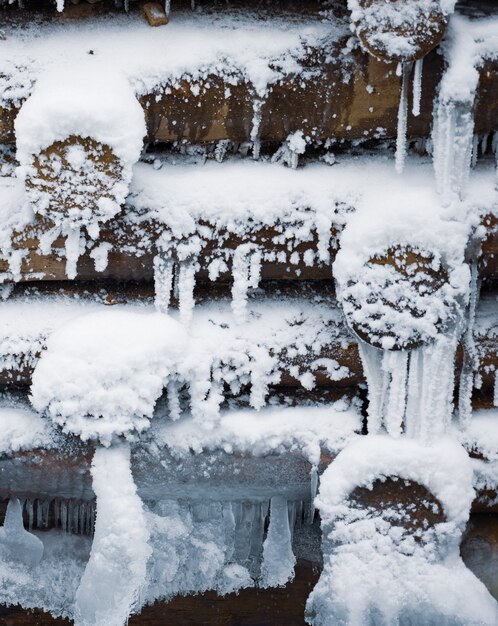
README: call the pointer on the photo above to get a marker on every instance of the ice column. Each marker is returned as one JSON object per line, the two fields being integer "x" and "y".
{"x": 111, "y": 583}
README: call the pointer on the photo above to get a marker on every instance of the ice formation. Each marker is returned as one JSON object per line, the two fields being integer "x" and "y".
{"x": 115, "y": 574}
{"x": 278, "y": 559}
{"x": 16, "y": 544}
{"x": 467, "y": 45}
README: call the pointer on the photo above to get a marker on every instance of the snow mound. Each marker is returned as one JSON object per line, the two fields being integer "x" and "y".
{"x": 103, "y": 372}
{"x": 91, "y": 102}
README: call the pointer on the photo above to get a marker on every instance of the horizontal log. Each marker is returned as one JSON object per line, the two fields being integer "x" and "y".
{"x": 344, "y": 95}
{"x": 339, "y": 345}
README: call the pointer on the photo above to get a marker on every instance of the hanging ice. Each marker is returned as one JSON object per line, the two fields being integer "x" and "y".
{"x": 16, "y": 544}
{"x": 411, "y": 389}
{"x": 115, "y": 574}
{"x": 163, "y": 282}
{"x": 402, "y": 119}
{"x": 246, "y": 271}
{"x": 256, "y": 123}
{"x": 417, "y": 86}
{"x": 278, "y": 557}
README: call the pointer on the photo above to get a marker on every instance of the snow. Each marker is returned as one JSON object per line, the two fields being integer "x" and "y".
{"x": 376, "y": 570}
{"x": 116, "y": 571}
{"x": 87, "y": 103}
{"x": 481, "y": 434}
{"x": 273, "y": 430}
{"x": 391, "y": 26}
{"x": 237, "y": 45}
{"x": 121, "y": 361}
{"x": 23, "y": 429}
{"x": 89, "y": 337}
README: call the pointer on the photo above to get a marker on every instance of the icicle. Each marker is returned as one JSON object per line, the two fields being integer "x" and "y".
{"x": 475, "y": 150}
{"x": 246, "y": 271}
{"x": 255, "y": 269}
{"x": 39, "y": 516}
{"x": 16, "y": 544}
{"x": 495, "y": 390}
{"x": 313, "y": 490}
{"x": 371, "y": 359}
{"x": 116, "y": 570}
{"x": 60, "y": 5}
{"x": 278, "y": 558}
{"x": 173, "y": 400}
{"x": 45, "y": 512}
{"x": 64, "y": 515}
{"x": 429, "y": 417}
{"x": 468, "y": 370}
{"x": 192, "y": 5}
{"x": 417, "y": 86}
{"x": 402, "y": 119}
{"x": 29, "y": 511}
{"x": 127, "y": 5}
{"x": 256, "y": 123}
{"x": 186, "y": 285}
{"x": 413, "y": 392}
{"x": 453, "y": 140}
{"x": 163, "y": 282}
{"x": 484, "y": 144}
{"x": 72, "y": 252}
{"x": 396, "y": 366}
{"x": 167, "y": 7}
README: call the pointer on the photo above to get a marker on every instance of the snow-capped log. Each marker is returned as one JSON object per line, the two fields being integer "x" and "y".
{"x": 402, "y": 547}
{"x": 400, "y": 30}
{"x": 78, "y": 136}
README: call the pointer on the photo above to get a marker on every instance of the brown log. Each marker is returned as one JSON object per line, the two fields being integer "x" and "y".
{"x": 425, "y": 31}
{"x": 323, "y": 104}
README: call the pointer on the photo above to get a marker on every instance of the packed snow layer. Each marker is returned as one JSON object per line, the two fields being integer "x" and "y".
{"x": 101, "y": 374}
{"x": 236, "y": 45}
{"x": 376, "y": 570}
{"x": 305, "y": 430}
{"x": 23, "y": 429}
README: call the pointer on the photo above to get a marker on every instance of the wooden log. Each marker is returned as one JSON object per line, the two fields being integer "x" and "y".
{"x": 378, "y": 25}
{"x": 132, "y": 254}
{"x": 356, "y": 97}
